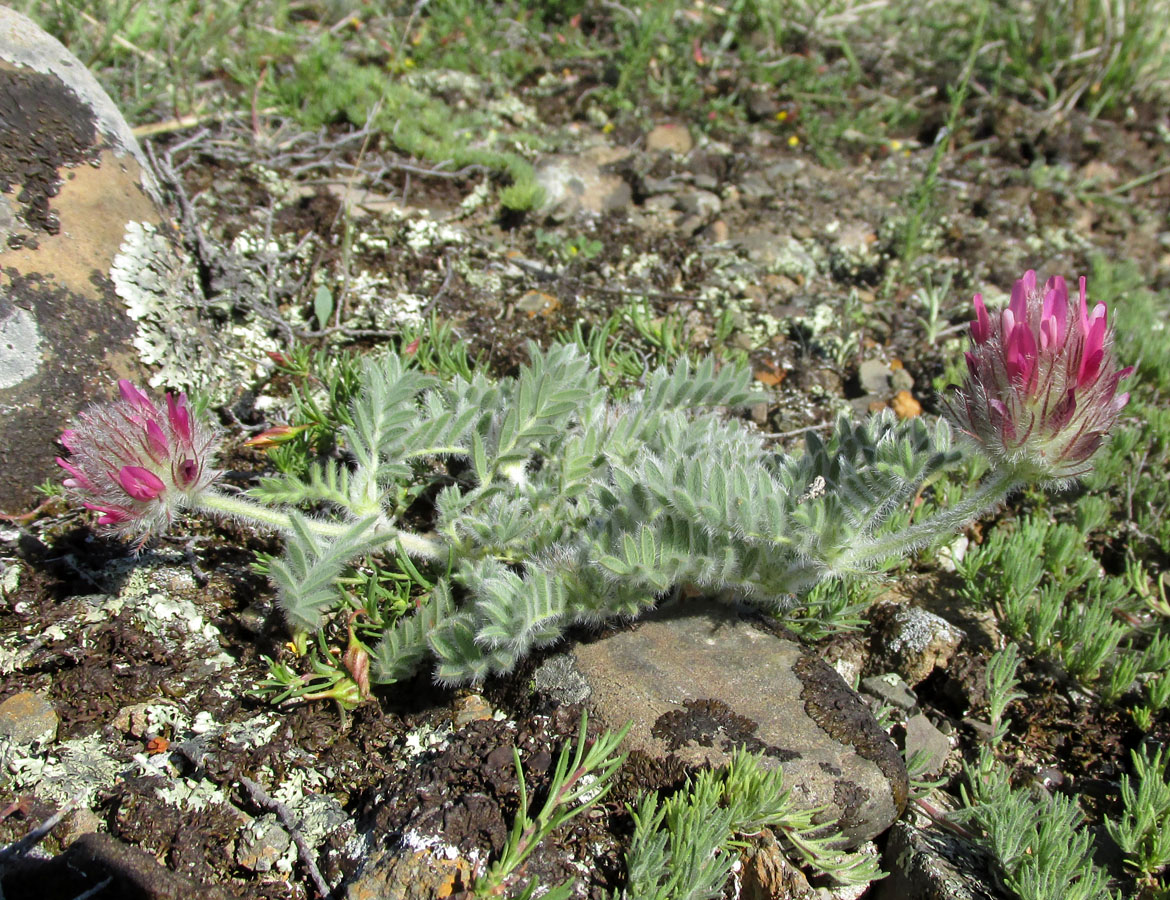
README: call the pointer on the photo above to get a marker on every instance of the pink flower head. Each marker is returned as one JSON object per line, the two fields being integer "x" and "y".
{"x": 1041, "y": 392}
{"x": 136, "y": 464}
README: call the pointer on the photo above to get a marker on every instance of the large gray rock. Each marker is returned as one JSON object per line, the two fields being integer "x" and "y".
{"x": 697, "y": 682}
{"x": 71, "y": 178}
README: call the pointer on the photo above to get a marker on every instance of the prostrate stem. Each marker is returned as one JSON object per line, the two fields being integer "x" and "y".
{"x": 237, "y": 507}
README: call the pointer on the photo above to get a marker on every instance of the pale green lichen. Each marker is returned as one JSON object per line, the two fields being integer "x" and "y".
{"x": 425, "y": 233}
{"x": 175, "y": 336}
{"x": 78, "y": 769}
{"x": 9, "y": 578}
{"x": 479, "y": 196}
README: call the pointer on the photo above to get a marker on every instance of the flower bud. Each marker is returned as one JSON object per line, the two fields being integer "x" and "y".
{"x": 137, "y": 465}
{"x": 1041, "y": 389}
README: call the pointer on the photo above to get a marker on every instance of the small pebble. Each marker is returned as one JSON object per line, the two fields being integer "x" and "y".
{"x": 905, "y": 406}
{"x": 28, "y": 719}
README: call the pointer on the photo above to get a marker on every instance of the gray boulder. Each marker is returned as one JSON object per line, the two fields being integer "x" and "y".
{"x": 71, "y": 178}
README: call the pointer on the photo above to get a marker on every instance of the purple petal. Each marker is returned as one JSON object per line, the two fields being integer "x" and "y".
{"x": 187, "y": 472}
{"x": 135, "y": 397}
{"x": 157, "y": 441}
{"x": 141, "y": 484}
{"x": 1020, "y": 353}
{"x": 1054, "y": 312}
{"x": 179, "y": 416}
{"x": 111, "y": 515}
{"x": 1021, "y": 290}
{"x": 79, "y": 479}
{"x": 981, "y": 327}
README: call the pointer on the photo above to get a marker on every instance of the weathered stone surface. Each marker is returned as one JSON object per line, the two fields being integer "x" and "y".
{"x": 697, "y": 681}
{"x": 72, "y": 177}
{"x": 262, "y": 844}
{"x": 923, "y": 737}
{"x": 891, "y": 690}
{"x": 929, "y": 863}
{"x": 418, "y": 870}
{"x": 27, "y": 719}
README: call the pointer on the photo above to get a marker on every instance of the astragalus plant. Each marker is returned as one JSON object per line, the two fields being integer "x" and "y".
{"x": 537, "y": 502}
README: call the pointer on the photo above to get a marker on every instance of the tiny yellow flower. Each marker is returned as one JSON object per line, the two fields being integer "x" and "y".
{"x": 782, "y": 116}
{"x": 895, "y": 145}
{"x": 607, "y": 128}
{"x": 793, "y": 140}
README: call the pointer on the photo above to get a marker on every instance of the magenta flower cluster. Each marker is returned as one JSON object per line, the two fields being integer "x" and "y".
{"x": 137, "y": 465}
{"x": 1041, "y": 392}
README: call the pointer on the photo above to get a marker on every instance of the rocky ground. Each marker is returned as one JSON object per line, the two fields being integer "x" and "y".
{"x": 127, "y": 679}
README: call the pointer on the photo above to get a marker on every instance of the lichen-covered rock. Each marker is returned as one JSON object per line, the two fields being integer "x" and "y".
{"x": 696, "y": 681}
{"x": 912, "y": 641}
{"x": 71, "y": 177}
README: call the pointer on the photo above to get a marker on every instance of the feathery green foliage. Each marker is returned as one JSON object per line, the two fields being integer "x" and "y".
{"x": 1143, "y": 834}
{"x": 1037, "y": 839}
{"x": 684, "y": 847}
{"x": 553, "y": 505}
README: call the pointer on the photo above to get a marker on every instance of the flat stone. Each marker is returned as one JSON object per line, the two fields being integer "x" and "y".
{"x": 670, "y": 138}
{"x": 717, "y": 232}
{"x": 417, "y": 870}
{"x": 700, "y": 203}
{"x": 261, "y": 844}
{"x": 923, "y": 737}
{"x": 28, "y": 720}
{"x": 891, "y": 690}
{"x": 697, "y": 682}
{"x": 755, "y": 186}
{"x": 874, "y": 375}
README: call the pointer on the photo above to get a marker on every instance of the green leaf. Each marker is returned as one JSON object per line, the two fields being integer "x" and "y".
{"x": 323, "y": 306}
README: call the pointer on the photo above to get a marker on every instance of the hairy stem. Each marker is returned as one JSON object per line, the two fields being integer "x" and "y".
{"x": 237, "y": 507}
{"x": 999, "y": 484}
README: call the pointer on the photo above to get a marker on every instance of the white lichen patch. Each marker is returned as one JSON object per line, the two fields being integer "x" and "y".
{"x": 425, "y": 740}
{"x": 645, "y": 265}
{"x": 77, "y": 769}
{"x": 10, "y": 570}
{"x": 184, "y": 792}
{"x": 160, "y": 601}
{"x": 175, "y": 336}
{"x": 375, "y": 296}
{"x": 435, "y": 846}
{"x": 478, "y": 197}
{"x": 820, "y": 322}
{"x": 423, "y": 233}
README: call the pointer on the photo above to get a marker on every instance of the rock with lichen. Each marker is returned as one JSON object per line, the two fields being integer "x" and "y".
{"x": 73, "y": 179}
{"x": 697, "y": 682}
